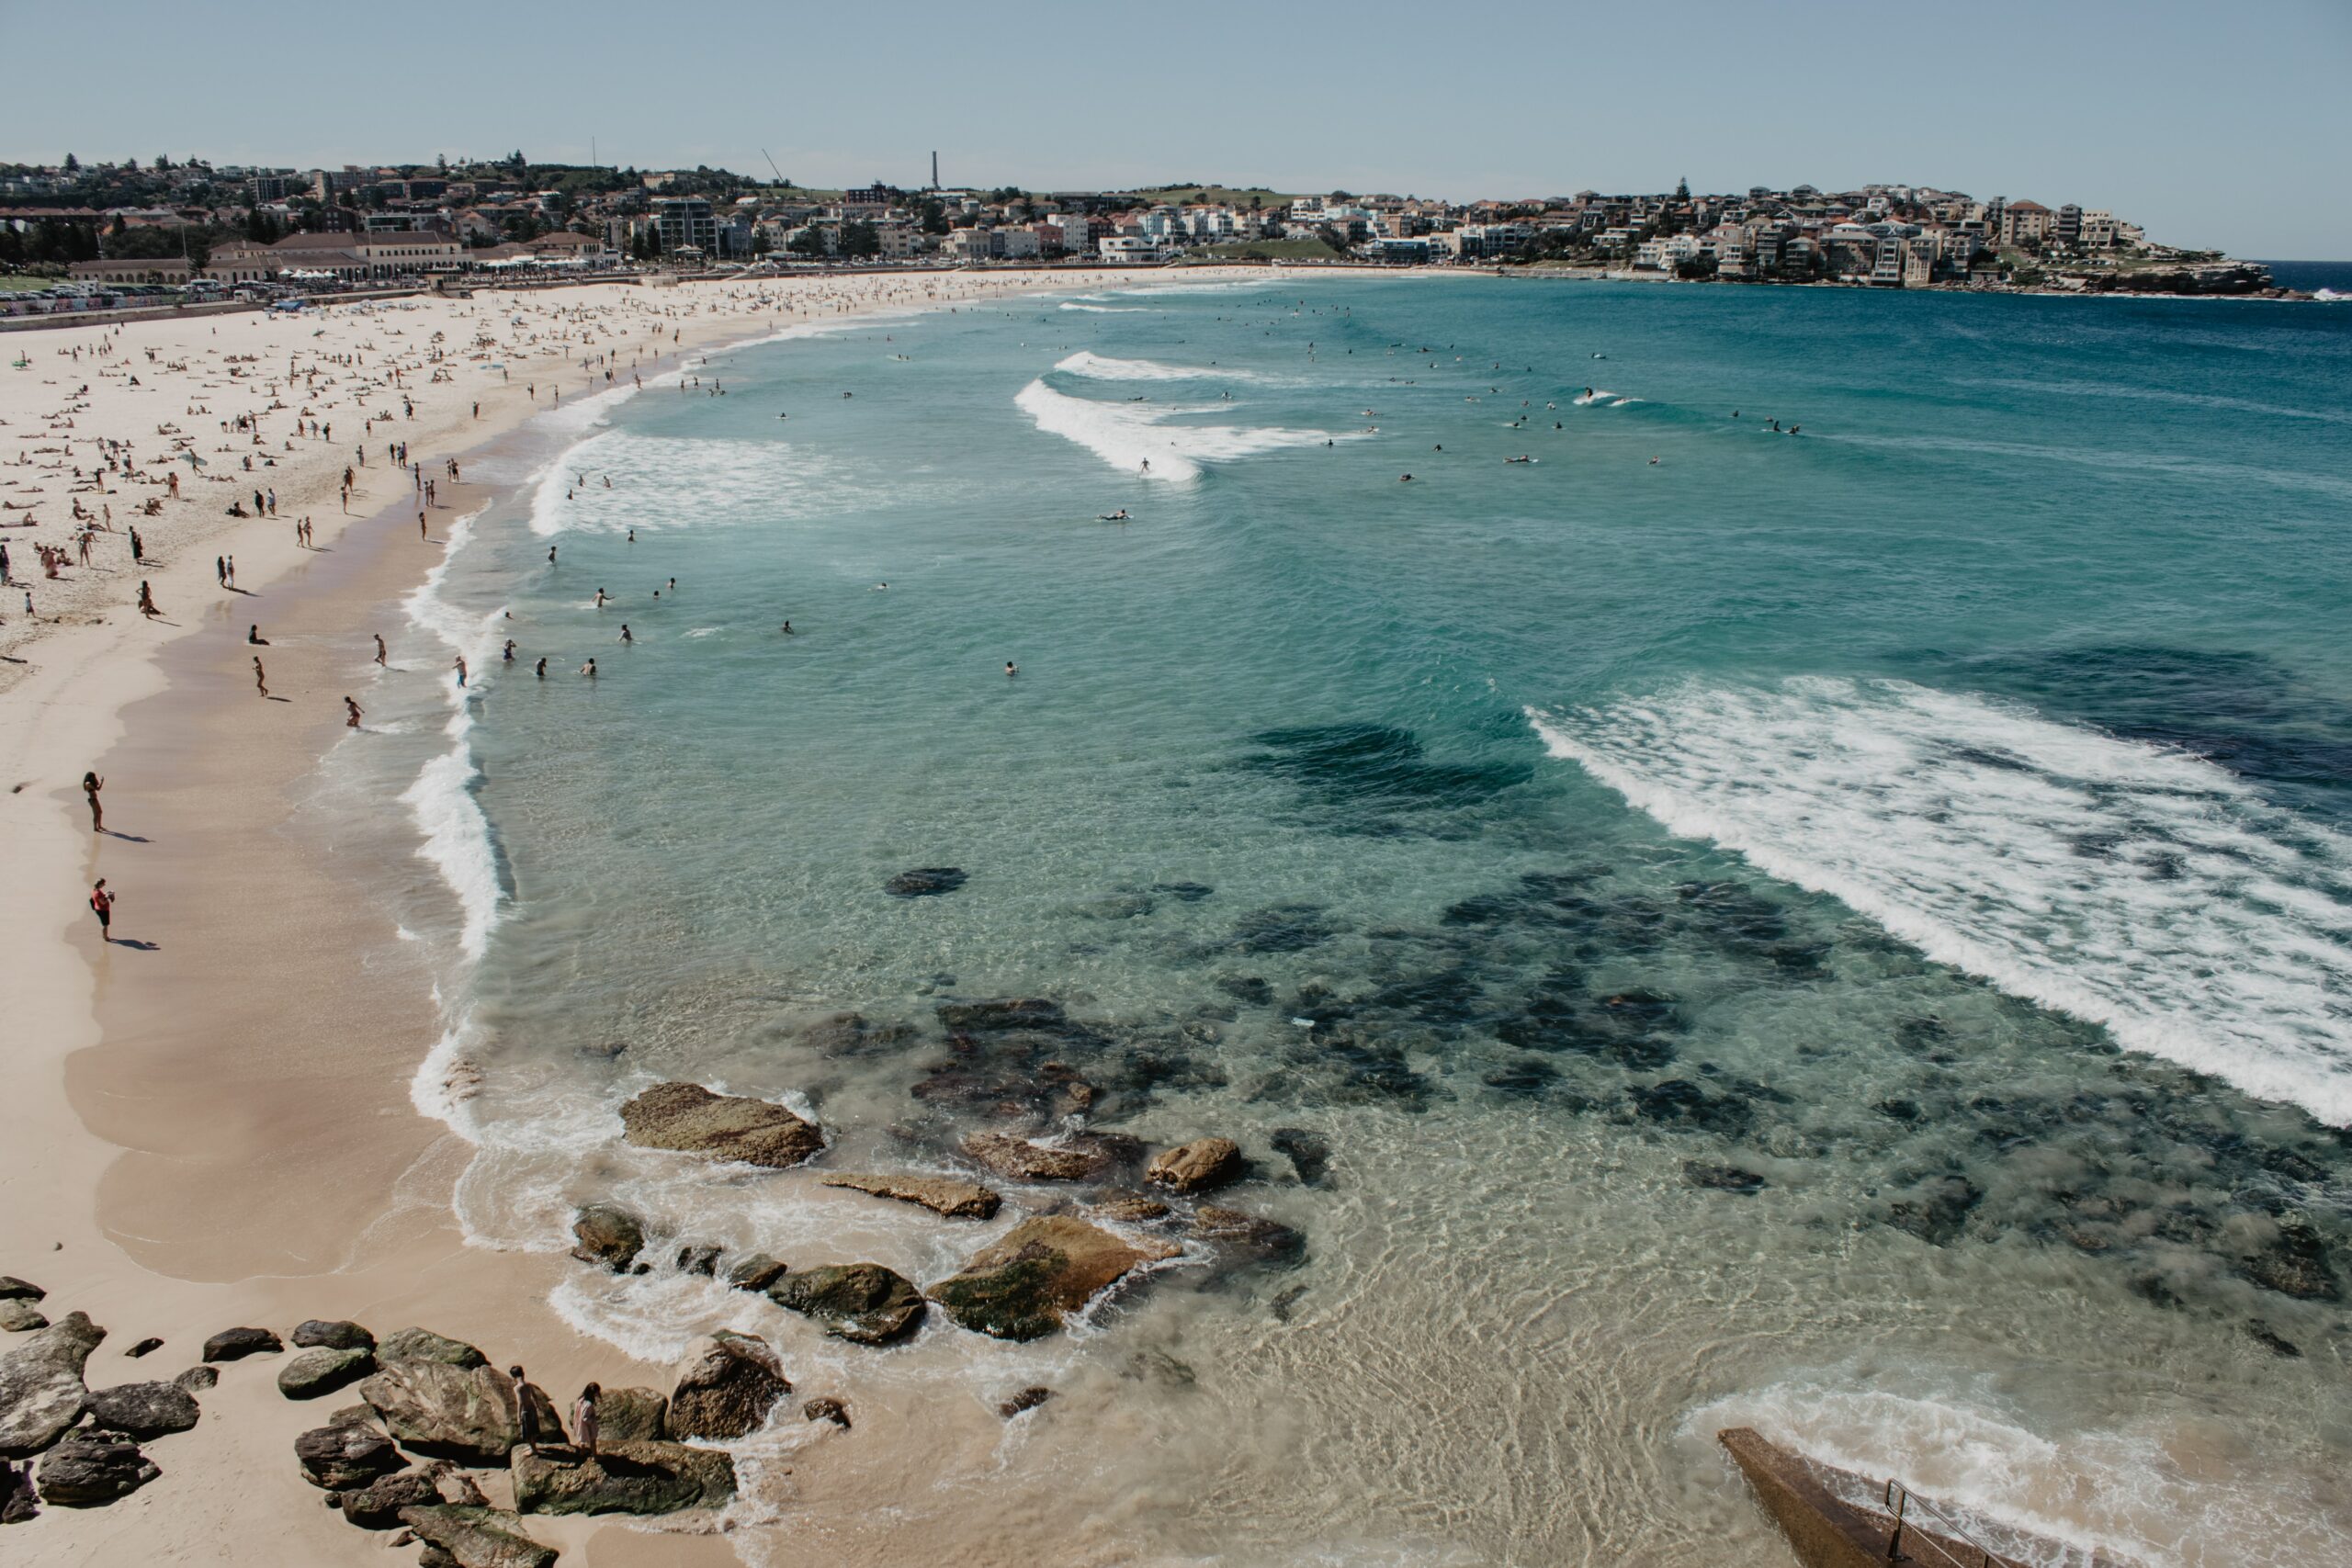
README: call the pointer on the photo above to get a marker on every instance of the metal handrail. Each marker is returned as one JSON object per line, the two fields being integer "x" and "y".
{"x": 1898, "y": 1497}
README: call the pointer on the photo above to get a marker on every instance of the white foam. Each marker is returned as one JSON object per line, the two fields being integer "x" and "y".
{"x": 2155, "y": 1492}
{"x": 1103, "y": 309}
{"x": 1102, "y": 367}
{"x": 2146, "y": 889}
{"x": 1597, "y": 395}
{"x": 456, "y": 835}
{"x": 1126, "y": 435}
{"x": 730, "y": 482}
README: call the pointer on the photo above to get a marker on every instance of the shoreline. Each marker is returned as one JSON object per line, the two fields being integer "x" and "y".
{"x": 218, "y": 1131}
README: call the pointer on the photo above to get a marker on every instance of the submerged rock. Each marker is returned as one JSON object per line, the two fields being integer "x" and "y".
{"x": 321, "y": 1369}
{"x": 424, "y": 1345}
{"x": 41, "y": 1393}
{"x": 1028, "y": 1282}
{"x": 1195, "y": 1167}
{"x": 236, "y": 1344}
{"x": 1937, "y": 1209}
{"x": 145, "y": 1410}
{"x": 2294, "y": 1262}
{"x": 948, "y": 1195}
{"x": 466, "y": 1414}
{"x": 632, "y": 1416}
{"x": 1247, "y": 1237}
{"x": 754, "y": 1271}
{"x": 862, "y": 1302}
{"x": 331, "y": 1334}
{"x": 89, "y": 1470}
{"x": 1027, "y": 1399}
{"x": 925, "y": 882}
{"x": 1309, "y": 1155}
{"x": 622, "y": 1478}
{"x": 1080, "y": 1158}
{"x": 477, "y": 1538}
{"x": 689, "y": 1118}
{"x": 725, "y": 1387}
{"x": 607, "y": 1236}
{"x": 346, "y": 1455}
{"x": 1723, "y": 1178}
{"x": 831, "y": 1410}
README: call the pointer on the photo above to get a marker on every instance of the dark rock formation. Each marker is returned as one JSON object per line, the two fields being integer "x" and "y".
{"x": 145, "y": 1410}
{"x": 2294, "y": 1262}
{"x": 321, "y": 1369}
{"x": 698, "y": 1258}
{"x": 198, "y": 1378}
{"x": 91, "y": 1468}
{"x": 236, "y": 1344}
{"x": 1723, "y": 1178}
{"x": 336, "y": 1334}
{"x": 378, "y": 1504}
{"x": 1028, "y": 1282}
{"x": 144, "y": 1347}
{"x": 15, "y": 1289}
{"x": 927, "y": 882}
{"x": 477, "y": 1538}
{"x": 41, "y": 1393}
{"x": 725, "y": 1387}
{"x": 343, "y": 1456}
{"x": 831, "y": 1410}
{"x": 1129, "y": 1208}
{"x": 1027, "y": 1399}
{"x": 957, "y": 1199}
{"x": 689, "y": 1118}
{"x": 1937, "y": 1209}
{"x": 16, "y": 1496}
{"x": 607, "y": 1236}
{"x": 424, "y": 1345}
{"x": 622, "y": 1478}
{"x": 1248, "y": 1238}
{"x": 467, "y": 1414}
{"x": 862, "y": 1302}
{"x": 632, "y": 1416}
{"x": 1310, "y": 1155}
{"x": 1195, "y": 1167}
{"x": 754, "y": 1271}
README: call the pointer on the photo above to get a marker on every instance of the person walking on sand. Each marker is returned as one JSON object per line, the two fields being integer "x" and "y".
{"x": 584, "y": 1421}
{"x": 351, "y": 714}
{"x": 102, "y": 906}
{"x": 91, "y": 785}
{"x": 261, "y": 677}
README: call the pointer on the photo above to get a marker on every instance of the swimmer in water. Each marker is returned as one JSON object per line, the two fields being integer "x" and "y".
{"x": 509, "y": 655}
{"x": 625, "y": 637}
{"x": 599, "y": 598}
{"x": 1404, "y": 478}
{"x": 1011, "y": 667}
{"x": 787, "y": 628}
{"x": 540, "y": 669}
{"x": 589, "y": 669}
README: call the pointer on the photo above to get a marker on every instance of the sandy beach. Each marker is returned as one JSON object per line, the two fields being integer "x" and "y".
{"x": 207, "y": 1121}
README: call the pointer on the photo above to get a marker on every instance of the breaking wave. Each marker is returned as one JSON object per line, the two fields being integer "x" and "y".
{"x": 1129, "y": 436}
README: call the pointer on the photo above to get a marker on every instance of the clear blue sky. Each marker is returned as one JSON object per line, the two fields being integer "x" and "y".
{"x": 2214, "y": 127}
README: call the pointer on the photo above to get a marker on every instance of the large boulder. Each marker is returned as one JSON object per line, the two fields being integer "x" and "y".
{"x": 633, "y": 1477}
{"x": 323, "y": 1369}
{"x": 41, "y": 1393}
{"x": 344, "y": 1455}
{"x": 725, "y": 1387}
{"x": 145, "y": 1410}
{"x": 15, "y": 1289}
{"x": 467, "y": 1414}
{"x": 236, "y": 1344}
{"x": 632, "y": 1416}
{"x": 331, "y": 1334}
{"x": 607, "y": 1236}
{"x": 688, "y": 1117}
{"x": 198, "y": 1377}
{"x": 378, "y": 1504}
{"x": 1196, "y": 1166}
{"x": 91, "y": 1468}
{"x": 477, "y": 1538}
{"x": 948, "y": 1195}
{"x": 424, "y": 1345}
{"x": 1026, "y": 1284}
{"x": 862, "y": 1302}
{"x": 1017, "y": 1159}
{"x": 19, "y": 1315}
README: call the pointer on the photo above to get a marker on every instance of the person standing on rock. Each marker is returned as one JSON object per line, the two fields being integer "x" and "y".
{"x": 584, "y": 1413}
{"x": 527, "y": 1400}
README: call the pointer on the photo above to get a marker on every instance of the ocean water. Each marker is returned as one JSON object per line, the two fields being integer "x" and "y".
{"x": 1843, "y": 927}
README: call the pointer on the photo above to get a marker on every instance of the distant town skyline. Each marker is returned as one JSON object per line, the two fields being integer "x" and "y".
{"x": 2226, "y": 138}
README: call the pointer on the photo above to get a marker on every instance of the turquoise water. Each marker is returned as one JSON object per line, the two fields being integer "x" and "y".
{"x": 1847, "y": 931}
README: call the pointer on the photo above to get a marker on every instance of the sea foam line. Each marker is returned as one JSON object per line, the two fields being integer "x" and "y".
{"x": 2143, "y": 889}
{"x": 456, "y": 835}
{"x": 1102, "y": 367}
{"x": 1128, "y": 436}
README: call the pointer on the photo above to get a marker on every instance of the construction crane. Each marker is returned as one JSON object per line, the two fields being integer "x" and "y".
{"x": 779, "y": 173}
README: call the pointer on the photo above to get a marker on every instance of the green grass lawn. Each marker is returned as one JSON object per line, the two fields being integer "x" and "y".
{"x": 9, "y": 280}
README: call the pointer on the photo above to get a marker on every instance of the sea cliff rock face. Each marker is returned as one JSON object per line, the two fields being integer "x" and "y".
{"x": 41, "y": 1393}
{"x": 689, "y": 1118}
{"x": 89, "y": 1470}
{"x": 863, "y": 1303}
{"x": 725, "y": 1387}
{"x": 477, "y": 1538}
{"x": 466, "y": 1414}
{"x": 630, "y": 1477}
{"x": 1026, "y": 1284}
{"x": 145, "y": 1410}
{"x": 1196, "y": 1166}
{"x": 946, "y": 1195}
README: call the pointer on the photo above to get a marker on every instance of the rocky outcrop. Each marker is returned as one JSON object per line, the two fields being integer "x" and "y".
{"x": 725, "y": 1387}
{"x": 236, "y": 1344}
{"x": 2293, "y": 1261}
{"x": 91, "y": 1468}
{"x": 41, "y": 1393}
{"x": 754, "y": 1271}
{"x": 466, "y": 1414}
{"x": 1129, "y": 1208}
{"x": 145, "y": 1410}
{"x": 332, "y": 1335}
{"x": 344, "y": 1456}
{"x": 689, "y": 1118}
{"x": 1195, "y": 1167}
{"x": 1080, "y": 1159}
{"x": 948, "y": 1195}
{"x": 19, "y": 1315}
{"x": 1027, "y": 1399}
{"x": 477, "y": 1538}
{"x": 321, "y": 1369}
{"x": 607, "y": 1236}
{"x": 632, "y": 1477}
{"x": 1310, "y": 1155}
{"x": 831, "y": 1410}
{"x": 1033, "y": 1278}
{"x": 632, "y": 1416}
{"x": 15, "y": 1289}
{"x": 196, "y": 1378}
{"x": 862, "y": 1302}
{"x": 925, "y": 882}
{"x": 378, "y": 1504}
{"x": 424, "y": 1345}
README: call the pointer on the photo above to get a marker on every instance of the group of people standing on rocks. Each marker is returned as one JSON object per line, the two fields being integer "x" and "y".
{"x": 530, "y": 1399}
